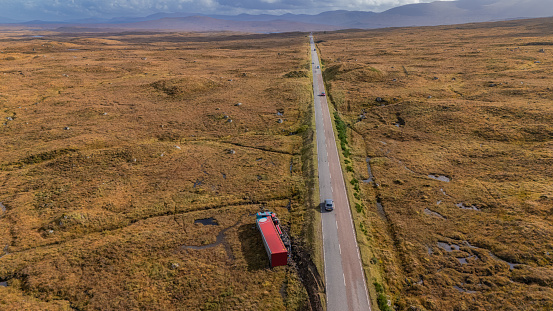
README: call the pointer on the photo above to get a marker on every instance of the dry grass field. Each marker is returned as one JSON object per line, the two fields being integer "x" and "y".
{"x": 456, "y": 123}
{"x": 114, "y": 144}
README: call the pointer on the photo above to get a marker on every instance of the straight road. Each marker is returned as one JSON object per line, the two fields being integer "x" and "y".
{"x": 344, "y": 277}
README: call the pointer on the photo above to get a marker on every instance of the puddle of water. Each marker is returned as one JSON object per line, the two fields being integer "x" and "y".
{"x": 2, "y": 207}
{"x": 429, "y": 250}
{"x": 432, "y": 213}
{"x": 197, "y": 183}
{"x": 73, "y": 49}
{"x": 207, "y": 221}
{"x": 380, "y": 209}
{"x": 448, "y": 247}
{"x": 464, "y": 261}
{"x": 224, "y": 175}
{"x": 4, "y": 284}
{"x": 440, "y": 177}
{"x": 511, "y": 265}
{"x": 405, "y": 167}
{"x": 280, "y": 112}
{"x": 438, "y": 203}
{"x": 400, "y": 121}
{"x": 463, "y": 206}
{"x": 371, "y": 177}
{"x": 462, "y": 290}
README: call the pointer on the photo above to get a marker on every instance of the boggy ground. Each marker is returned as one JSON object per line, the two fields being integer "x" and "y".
{"x": 458, "y": 124}
{"x": 113, "y": 144}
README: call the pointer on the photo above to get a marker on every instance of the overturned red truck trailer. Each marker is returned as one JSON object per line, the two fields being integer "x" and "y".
{"x": 275, "y": 240}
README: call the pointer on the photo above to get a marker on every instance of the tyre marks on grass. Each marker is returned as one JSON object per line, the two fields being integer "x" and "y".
{"x": 220, "y": 237}
{"x": 136, "y": 220}
{"x": 5, "y": 251}
{"x": 262, "y": 148}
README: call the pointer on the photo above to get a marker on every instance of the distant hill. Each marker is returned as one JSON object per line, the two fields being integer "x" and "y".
{"x": 421, "y": 14}
{"x": 5, "y": 20}
{"x": 461, "y": 11}
{"x": 206, "y": 23}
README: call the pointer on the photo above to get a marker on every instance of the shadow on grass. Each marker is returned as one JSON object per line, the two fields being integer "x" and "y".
{"x": 252, "y": 247}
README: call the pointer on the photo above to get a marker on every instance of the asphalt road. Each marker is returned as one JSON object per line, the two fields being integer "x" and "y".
{"x": 344, "y": 278}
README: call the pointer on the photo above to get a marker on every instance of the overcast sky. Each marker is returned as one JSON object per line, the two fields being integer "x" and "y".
{"x": 67, "y": 9}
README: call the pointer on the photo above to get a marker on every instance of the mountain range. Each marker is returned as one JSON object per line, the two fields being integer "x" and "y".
{"x": 420, "y": 14}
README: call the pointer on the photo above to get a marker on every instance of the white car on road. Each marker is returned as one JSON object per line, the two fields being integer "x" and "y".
{"x": 329, "y": 205}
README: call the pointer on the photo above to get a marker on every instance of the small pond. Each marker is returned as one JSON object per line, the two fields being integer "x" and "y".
{"x": 371, "y": 177}
{"x": 463, "y": 206}
{"x": 448, "y": 247}
{"x": 464, "y": 261}
{"x": 380, "y": 209}
{"x": 197, "y": 183}
{"x": 462, "y": 290}
{"x": 440, "y": 177}
{"x": 207, "y": 221}
{"x": 433, "y": 213}
{"x": 511, "y": 264}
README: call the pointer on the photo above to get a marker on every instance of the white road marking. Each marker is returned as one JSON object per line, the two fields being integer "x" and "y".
{"x": 340, "y": 247}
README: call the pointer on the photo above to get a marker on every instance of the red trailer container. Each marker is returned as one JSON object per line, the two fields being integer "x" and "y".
{"x": 277, "y": 252}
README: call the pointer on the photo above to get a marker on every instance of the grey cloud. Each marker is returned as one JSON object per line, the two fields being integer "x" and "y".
{"x": 63, "y": 9}
{"x": 318, "y": 5}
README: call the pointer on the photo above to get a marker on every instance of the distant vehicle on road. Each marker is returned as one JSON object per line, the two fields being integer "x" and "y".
{"x": 323, "y": 94}
{"x": 318, "y": 67}
{"x": 329, "y": 205}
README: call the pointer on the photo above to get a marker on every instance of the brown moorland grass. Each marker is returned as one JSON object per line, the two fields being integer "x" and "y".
{"x": 472, "y": 103}
{"x": 113, "y": 144}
